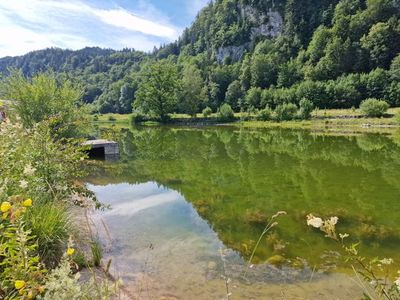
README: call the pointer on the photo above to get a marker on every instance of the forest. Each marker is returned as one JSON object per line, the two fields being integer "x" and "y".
{"x": 249, "y": 54}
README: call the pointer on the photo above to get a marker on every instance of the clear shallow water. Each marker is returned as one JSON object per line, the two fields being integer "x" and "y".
{"x": 189, "y": 204}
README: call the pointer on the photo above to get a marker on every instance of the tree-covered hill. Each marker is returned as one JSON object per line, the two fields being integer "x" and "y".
{"x": 251, "y": 54}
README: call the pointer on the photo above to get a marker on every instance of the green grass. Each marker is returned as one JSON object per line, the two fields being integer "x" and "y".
{"x": 49, "y": 223}
{"x": 333, "y": 120}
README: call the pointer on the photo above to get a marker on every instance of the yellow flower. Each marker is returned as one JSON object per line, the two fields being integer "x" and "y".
{"x": 5, "y": 206}
{"x": 30, "y": 295}
{"x": 27, "y": 203}
{"x": 70, "y": 251}
{"x": 19, "y": 284}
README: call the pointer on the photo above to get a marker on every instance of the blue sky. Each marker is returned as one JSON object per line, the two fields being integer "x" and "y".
{"x": 27, "y": 25}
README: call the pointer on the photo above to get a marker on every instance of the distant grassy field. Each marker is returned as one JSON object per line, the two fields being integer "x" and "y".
{"x": 334, "y": 120}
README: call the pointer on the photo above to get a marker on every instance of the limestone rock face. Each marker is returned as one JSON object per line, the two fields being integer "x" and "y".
{"x": 234, "y": 52}
{"x": 272, "y": 28}
{"x": 268, "y": 24}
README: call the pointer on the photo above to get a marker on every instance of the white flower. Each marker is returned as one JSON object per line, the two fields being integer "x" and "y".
{"x": 333, "y": 220}
{"x": 344, "y": 235}
{"x": 314, "y": 221}
{"x": 23, "y": 184}
{"x": 386, "y": 261}
{"x": 397, "y": 283}
{"x": 29, "y": 170}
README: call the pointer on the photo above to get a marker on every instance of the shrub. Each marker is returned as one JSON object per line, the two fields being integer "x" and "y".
{"x": 207, "y": 112}
{"x": 28, "y": 168}
{"x": 45, "y": 97}
{"x": 286, "y": 112}
{"x": 265, "y": 114}
{"x": 374, "y": 108}
{"x": 306, "y": 108}
{"x": 225, "y": 113}
{"x": 111, "y": 118}
{"x": 138, "y": 117}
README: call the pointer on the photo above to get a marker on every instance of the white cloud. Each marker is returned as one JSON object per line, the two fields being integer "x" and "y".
{"x": 124, "y": 19}
{"x": 28, "y": 25}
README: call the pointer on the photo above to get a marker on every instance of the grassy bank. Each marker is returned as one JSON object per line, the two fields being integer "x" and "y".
{"x": 332, "y": 120}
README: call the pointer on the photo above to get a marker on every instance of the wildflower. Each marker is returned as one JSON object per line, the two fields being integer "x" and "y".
{"x": 19, "y": 284}
{"x": 333, "y": 220}
{"x": 5, "y": 206}
{"x": 279, "y": 213}
{"x": 70, "y": 251}
{"x": 386, "y": 261}
{"x": 344, "y": 235}
{"x": 41, "y": 289}
{"x": 30, "y": 295}
{"x": 29, "y": 170}
{"x": 27, "y": 202}
{"x": 23, "y": 184}
{"x": 314, "y": 221}
{"x": 397, "y": 283}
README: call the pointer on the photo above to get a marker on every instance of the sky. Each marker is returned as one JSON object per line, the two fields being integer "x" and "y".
{"x": 27, "y": 25}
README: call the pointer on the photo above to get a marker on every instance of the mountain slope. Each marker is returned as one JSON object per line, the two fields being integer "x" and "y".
{"x": 253, "y": 53}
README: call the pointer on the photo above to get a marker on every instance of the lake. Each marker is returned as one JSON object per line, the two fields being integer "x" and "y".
{"x": 187, "y": 206}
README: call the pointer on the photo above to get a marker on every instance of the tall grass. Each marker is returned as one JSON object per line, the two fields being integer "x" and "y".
{"x": 49, "y": 223}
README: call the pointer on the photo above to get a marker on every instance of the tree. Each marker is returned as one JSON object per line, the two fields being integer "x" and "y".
{"x": 253, "y": 97}
{"x": 157, "y": 92}
{"x": 263, "y": 70}
{"x": 234, "y": 94}
{"x": 126, "y": 98}
{"x": 380, "y": 42}
{"x": 192, "y": 93}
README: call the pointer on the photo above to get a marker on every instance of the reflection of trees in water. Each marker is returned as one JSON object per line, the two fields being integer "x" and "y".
{"x": 231, "y": 174}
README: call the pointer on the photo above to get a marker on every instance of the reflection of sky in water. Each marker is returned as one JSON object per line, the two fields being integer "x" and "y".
{"x": 158, "y": 237}
{"x": 149, "y": 214}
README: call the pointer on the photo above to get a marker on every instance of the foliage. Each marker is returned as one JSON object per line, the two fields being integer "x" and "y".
{"x": 286, "y": 112}
{"x": 192, "y": 93}
{"x": 225, "y": 113}
{"x": 157, "y": 92}
{"x": 305, "y": 109}
{"x": 43, "y": 97}
{"x": 21, "y": 273}
{"x": 374, "y": 107}
{"x": 207, "y": 112}
{"x": 49, "y": 223}
{"x": 383, "y": 287}
{"x": 36, "y": 164}
{"x": 265, "y": 114}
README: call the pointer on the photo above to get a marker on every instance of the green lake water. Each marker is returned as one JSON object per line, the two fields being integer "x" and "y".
{"x": 187, "y": 206}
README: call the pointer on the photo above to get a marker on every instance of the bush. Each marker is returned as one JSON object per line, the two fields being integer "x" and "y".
{"x": 374, "y": 108}
{"x": 138, "y": 117}
{"x": 286, "y": 112}
{"x": 225, "y": 113}
{"x": 306, "y": 108}
{"x": 207, "y": 112}
{"x": 111, "y": 118}
{"x": 46, "y": 97}
{"x": 265, "y": 114}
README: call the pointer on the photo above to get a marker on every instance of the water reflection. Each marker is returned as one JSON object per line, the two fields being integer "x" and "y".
{"x": 161, "y": 247}
{"x": 236, "y": 178}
